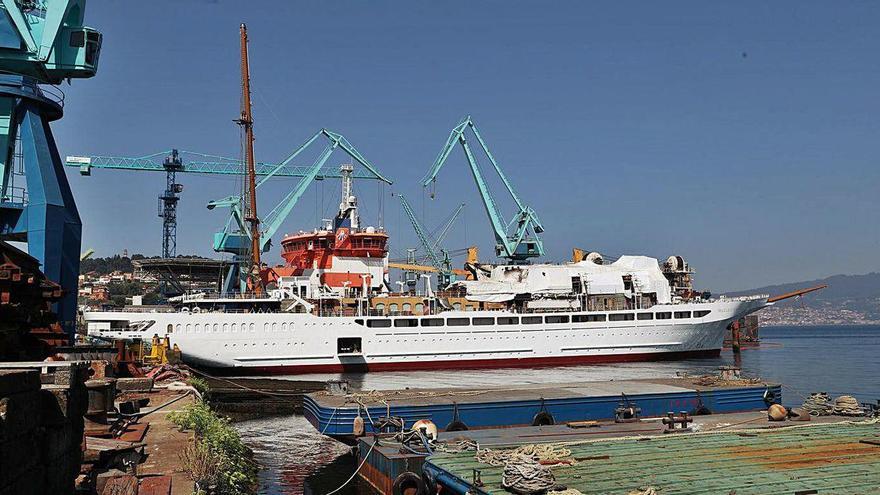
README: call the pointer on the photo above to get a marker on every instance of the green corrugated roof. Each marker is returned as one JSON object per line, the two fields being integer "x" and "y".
{"x": 826, "y": 457}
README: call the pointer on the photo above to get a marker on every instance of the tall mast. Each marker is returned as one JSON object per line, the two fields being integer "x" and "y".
{"x": 250, "y": 202}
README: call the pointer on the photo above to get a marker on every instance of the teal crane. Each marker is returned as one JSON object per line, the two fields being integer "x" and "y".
{"x": 176, "y": 161}
{"x": 235, "y": 237}
{"x": 516, "y": 240}
{"x": 42, "y": 43}
{"x": 438, "y": 257}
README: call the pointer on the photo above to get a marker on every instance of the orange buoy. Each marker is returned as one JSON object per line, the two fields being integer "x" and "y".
{"x": 428, "y": 425}
{"x": 357, "y": 427}
{"x": 776, "y": 413}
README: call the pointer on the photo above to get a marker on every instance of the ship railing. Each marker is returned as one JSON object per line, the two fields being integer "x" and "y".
{"x": 133, "y": 309}
{"x": 752, "y": 297}
{"x": 201, "y": 296}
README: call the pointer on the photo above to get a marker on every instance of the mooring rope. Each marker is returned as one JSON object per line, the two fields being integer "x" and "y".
{"x": 457, "y": 447}
{"x": 543, "y": 452}
{"x": 820, "y": 404}
{"x": 257, "y": 391}
{"x": 356, "y": 471}
{"x": 525, "y": 475}
{"x": 329, "y": 421}
{"x": 847, "y": 405}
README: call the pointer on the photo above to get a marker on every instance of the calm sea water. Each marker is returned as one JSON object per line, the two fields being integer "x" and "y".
{"x": 838, "y": 360}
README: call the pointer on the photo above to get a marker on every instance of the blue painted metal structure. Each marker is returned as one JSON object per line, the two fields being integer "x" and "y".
{"x": 337, "y": 422}
{"x": 41, "y": 43}
{"x": 209, "y": 164}
{"x": 235, "y": 237}
{"x": 516, "y": 240}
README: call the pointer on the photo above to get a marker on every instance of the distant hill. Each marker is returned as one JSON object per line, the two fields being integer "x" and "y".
{"x": 859, "y": 293}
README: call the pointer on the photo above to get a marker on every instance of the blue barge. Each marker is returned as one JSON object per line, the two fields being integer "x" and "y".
{"x": 532, "y": 405}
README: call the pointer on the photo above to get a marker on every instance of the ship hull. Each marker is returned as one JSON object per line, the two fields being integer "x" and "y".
{"x": 469, "y": 364}
{"x": 288, "y": 343}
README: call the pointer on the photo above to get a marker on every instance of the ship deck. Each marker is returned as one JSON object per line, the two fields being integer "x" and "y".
{"x": 741, "y": 453}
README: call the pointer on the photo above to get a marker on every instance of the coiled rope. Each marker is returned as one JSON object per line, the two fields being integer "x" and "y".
{"x": 547, "y": 453}
{"x": 847, "y": 405}
{"x": 525, "y": 475}
{"x": 820, "y": 404}
{"x": 457, "y": 447}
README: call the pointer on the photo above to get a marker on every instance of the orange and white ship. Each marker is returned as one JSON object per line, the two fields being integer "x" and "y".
{"x": 341, "y": 260}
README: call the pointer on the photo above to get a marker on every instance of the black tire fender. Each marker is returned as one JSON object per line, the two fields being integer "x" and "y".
{"x": 702, "y": 410}
{"x": 456, "y": 425}
{"x": 543, "y": 418}
{"x": 409, "y": 483}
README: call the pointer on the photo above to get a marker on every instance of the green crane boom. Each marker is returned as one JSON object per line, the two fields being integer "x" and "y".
{"x": 516, "y": 240}
{"x": 439, "y": 260}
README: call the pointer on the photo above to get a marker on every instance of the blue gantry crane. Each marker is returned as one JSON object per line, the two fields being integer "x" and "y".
{"x": 235, "y": 238}
{"x": 42, "y": 43}
{"x": 436, "y": 256}
{"x": 516, "y": 240}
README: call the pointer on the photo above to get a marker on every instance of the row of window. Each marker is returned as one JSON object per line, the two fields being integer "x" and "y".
{"x": 407, "y": 307}
{"x": 228, "y": 327}
{"x": 526, "y": 320}
{"x": 455, "y": 322}
{"x": 217, "y": 327}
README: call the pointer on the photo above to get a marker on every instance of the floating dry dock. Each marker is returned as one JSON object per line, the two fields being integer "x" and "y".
{"x": 740, "y": 453}
{"x": 335, "y": 415}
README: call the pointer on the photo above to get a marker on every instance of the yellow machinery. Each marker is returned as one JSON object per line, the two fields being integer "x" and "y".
{"x": 411, "y": 267}
{"x": 161, "y": 352}
{"x": 472, "y": 253}
{"x": 423, "y": 268}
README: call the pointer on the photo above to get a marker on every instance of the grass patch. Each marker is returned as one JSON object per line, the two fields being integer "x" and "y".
{"x": 219, "y": 462}
{"x": 201, "y": 385}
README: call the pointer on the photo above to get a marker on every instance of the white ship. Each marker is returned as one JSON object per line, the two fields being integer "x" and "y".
{"x": 295, "y": 343}
{"x": 330, "y": 310}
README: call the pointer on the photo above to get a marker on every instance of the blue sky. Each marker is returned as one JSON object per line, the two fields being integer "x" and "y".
{"x": 742, "y": 136}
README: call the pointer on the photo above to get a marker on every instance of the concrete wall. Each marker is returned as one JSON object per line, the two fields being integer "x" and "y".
{"x": 41, "y": 430}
